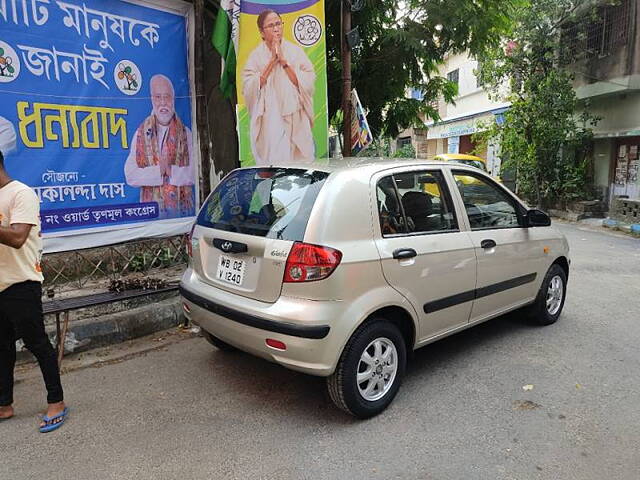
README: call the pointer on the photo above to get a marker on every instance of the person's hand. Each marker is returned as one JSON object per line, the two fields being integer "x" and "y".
{"x": 281, "y": 59}
{"x": 273, "y": 47}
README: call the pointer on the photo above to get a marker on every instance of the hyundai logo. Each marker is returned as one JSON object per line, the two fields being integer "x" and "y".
{"x": 227, "y": 246}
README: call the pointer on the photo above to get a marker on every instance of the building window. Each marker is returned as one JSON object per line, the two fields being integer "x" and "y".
{"x": 403, "y": 142}
{"x": 454, "y": 76}
{"x": 416, "y": 94}
{"x": 598, "y": 38}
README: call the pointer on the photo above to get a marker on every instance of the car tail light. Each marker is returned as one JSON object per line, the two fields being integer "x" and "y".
{"x": 307, "y": 263}
{"x": 189, "y": 240}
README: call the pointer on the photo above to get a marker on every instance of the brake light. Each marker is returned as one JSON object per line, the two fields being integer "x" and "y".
{"x": 189, "y": 240}
{"x": 307, "y": 263}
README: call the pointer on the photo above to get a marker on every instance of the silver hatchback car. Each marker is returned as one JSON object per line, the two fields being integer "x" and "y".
{"x": 341, "y": 269}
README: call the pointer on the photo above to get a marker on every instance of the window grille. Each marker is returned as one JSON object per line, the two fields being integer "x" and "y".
{"x": 599, "y": 36}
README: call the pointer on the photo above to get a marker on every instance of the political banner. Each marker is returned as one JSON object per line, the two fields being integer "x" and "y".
{"x": 281, "y": 80}
{"x": 96, "y": 117}
{"x": 361, "y": 136}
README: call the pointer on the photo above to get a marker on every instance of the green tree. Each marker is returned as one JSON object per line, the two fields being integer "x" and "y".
{"x": 546, "y": 134}
{"x": 402, "y": 45}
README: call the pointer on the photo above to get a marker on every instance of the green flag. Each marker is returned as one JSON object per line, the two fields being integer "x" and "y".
{"x": 225, "y": 40}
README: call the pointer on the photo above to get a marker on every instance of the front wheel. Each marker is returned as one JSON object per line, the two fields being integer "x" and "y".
{"x": 550, "y": 300}
{"x": 370, "y": 369}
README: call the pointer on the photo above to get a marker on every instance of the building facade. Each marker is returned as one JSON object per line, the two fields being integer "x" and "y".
{"x": 604, "y": 56}
{"x": 472, "y": 108}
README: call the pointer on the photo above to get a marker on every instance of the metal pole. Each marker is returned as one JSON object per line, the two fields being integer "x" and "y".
{"x": 345, "y": 52}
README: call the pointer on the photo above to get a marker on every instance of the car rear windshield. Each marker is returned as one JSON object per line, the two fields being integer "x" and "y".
{"x": 266, "y": 202}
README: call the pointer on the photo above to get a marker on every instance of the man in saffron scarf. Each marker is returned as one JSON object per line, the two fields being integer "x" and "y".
{"x": 278, "y": 84}
{"x": 160, "y": 160}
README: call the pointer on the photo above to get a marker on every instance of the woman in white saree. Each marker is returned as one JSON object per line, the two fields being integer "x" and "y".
{"x": 278, "y": 84}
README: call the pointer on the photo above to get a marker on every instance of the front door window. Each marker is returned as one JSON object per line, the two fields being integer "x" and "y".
{"x": 487, "y": 205}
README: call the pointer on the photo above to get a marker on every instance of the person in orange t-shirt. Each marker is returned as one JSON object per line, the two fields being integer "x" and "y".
{"x": 21, "y": 298}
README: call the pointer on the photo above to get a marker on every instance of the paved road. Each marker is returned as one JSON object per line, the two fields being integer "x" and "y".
{"x": 189, "y": 411}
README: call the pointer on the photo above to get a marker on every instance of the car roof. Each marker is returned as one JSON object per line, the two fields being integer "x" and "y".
{"x": 459, "y": 156}
{"x": 374, "y": 164}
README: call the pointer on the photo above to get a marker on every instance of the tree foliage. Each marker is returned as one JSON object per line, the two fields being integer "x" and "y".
{"x": 402, "y": 45}
{"x": 546, "y": 134}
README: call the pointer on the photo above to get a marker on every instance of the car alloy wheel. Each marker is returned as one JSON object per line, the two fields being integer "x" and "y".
{"x": 370, "y": 369}
{"x": 555, "y": 294}
{"x": 550, "y": 299}
{"x": 377, "y": 369}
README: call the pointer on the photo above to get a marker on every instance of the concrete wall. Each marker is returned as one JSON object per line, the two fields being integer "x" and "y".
{"x": 619, "y": 114}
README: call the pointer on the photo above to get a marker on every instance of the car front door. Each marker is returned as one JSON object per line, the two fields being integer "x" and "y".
{"x": 508, "y": 258}
{"x": 425, "y": 255}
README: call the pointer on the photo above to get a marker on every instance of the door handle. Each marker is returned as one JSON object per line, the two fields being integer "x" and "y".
{"x": 487, "y": 243}
{"x": 404, "y": 253}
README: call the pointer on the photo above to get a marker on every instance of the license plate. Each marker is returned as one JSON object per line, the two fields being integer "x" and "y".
{"x": 231, "y": 270}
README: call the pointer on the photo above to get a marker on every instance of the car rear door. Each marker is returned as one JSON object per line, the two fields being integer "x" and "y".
{"x": 425, "y": 256}
{"x": 509, "y": 259}
{"x": 247, "y": 226}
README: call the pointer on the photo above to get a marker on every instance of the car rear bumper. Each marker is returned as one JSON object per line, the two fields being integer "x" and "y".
{"x": 291, "y": 329}
{"x": 302, "y": 325}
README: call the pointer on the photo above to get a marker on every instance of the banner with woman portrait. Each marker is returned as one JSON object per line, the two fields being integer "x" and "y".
{"x": 282, "y": 82}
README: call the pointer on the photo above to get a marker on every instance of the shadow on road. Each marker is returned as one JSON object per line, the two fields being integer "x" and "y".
{"x": 450, "y": 349}
{"x": 254, "y": 383}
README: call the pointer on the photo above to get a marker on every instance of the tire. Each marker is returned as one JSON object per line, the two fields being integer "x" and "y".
{"x": 343, "y": 386}
{"x": 550, "y": 300}
{"x": 219, "y": 344}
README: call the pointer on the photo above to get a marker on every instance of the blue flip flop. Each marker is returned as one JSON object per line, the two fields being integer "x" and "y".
{"x": 50, "y": 423}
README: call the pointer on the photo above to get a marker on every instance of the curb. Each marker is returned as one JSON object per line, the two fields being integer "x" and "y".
{"x": 117, "y": 327}
{"x": 633, "y": 229}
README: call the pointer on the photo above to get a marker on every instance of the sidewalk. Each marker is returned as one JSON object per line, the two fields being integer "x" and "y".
{"x": 604, "y": 225}
{"x": 104, "y": 329}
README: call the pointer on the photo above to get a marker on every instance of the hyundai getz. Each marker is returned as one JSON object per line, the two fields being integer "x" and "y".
{"x": 341, "y": 269}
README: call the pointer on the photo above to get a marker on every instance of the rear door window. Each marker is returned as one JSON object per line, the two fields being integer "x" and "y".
{"x": 264, "y": 202}
{"x": 415, "y": 202}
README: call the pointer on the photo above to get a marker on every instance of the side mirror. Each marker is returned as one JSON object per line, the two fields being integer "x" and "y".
{"x": 537, "y": 218}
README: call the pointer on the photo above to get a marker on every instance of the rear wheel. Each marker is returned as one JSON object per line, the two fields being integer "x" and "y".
{"x": 370, "y": 369}
{"x": 550, "y": 300}
{"x": 219, "y": 344}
